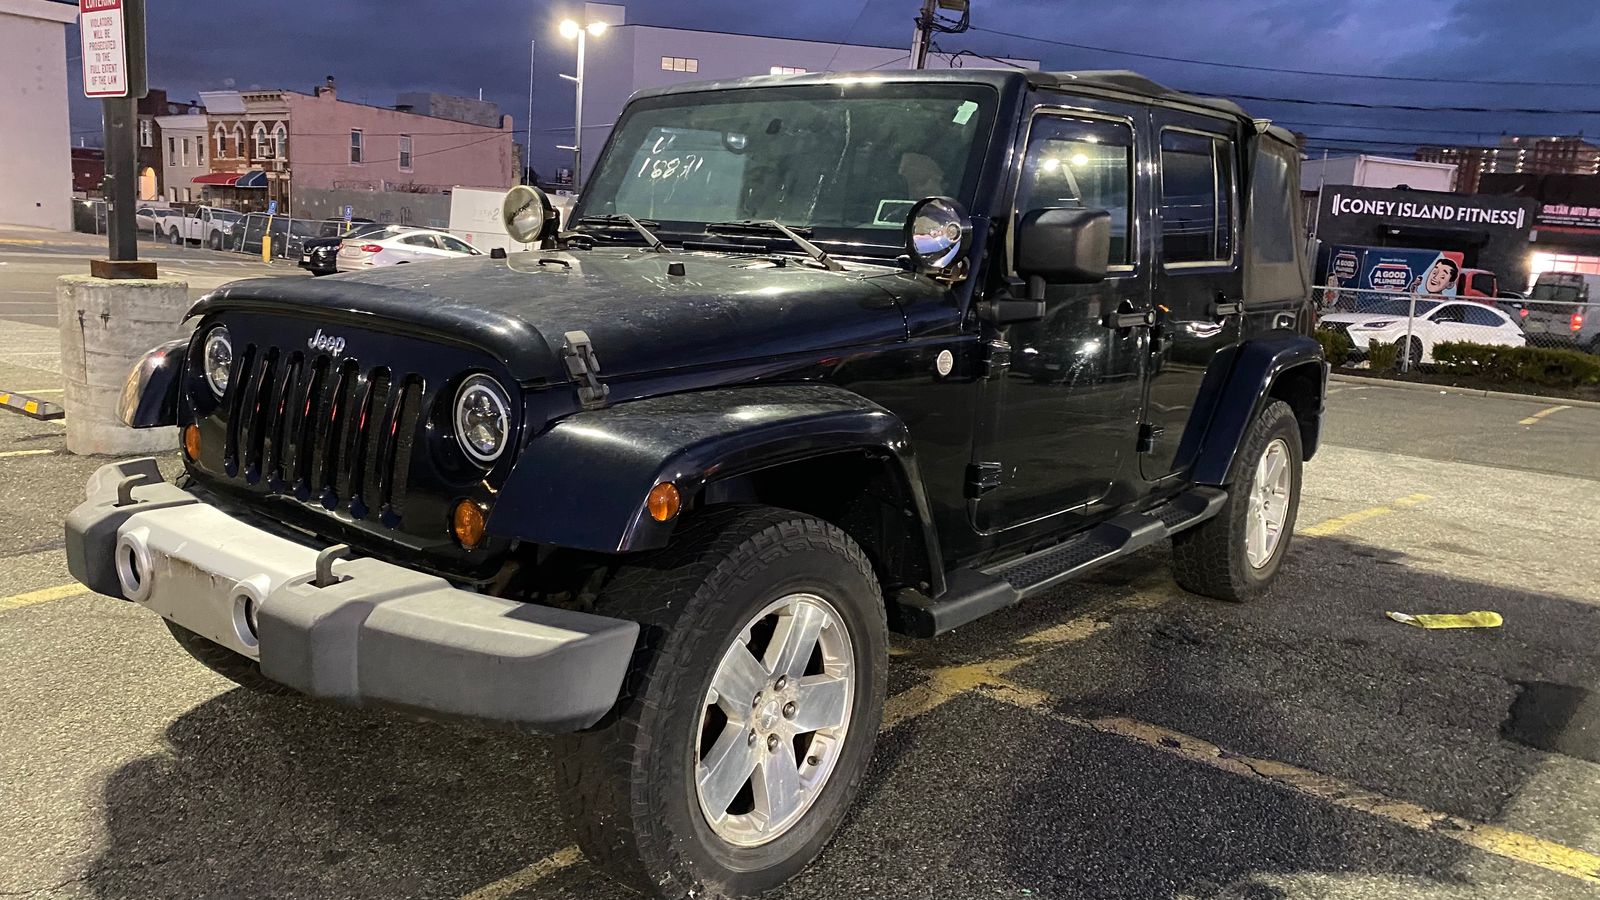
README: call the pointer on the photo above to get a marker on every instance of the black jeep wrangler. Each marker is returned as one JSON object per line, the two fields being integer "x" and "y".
{"x": 820, "y": 357}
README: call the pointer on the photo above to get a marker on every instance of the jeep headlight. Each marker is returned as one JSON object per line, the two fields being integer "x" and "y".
{"x": 216, "y": 359}
{"x": 482, "y": 418}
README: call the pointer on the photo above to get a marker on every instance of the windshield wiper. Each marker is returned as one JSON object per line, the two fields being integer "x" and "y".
{"x": 771, "y": 226}
{"x": 615, "y": 220}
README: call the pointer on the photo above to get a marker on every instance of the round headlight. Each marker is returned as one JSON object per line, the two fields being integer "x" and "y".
{"x": 216, "y": 359}
{"x": 482, "y": 418}
{"x": 936, "y": 233}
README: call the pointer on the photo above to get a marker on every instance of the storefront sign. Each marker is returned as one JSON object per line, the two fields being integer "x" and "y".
{"x": 1420, "y": 211}
{"x": 1565, "y": 216}
{"x": 105, "y": 59}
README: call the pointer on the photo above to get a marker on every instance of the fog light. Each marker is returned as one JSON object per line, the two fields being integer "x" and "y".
{"x": 467, "y": 523}
{"x": 663, "y": 501}
{"x": 191, "y": 441}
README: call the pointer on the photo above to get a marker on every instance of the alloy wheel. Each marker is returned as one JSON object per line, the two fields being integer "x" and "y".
{"x": 1268, "y": 504}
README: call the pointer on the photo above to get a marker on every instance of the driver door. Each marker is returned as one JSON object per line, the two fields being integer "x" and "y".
{"x": 1066, "y": 415}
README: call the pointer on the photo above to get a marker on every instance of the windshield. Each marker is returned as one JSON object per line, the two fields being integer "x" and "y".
{"x": 844, "y": 160}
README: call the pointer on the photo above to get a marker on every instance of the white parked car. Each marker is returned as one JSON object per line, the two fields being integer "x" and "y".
{"x": 414, "y": 246}
{"x": 149, "y": 218}
{"x": 1436, "y": 322}
{"x": 209, "y": 226}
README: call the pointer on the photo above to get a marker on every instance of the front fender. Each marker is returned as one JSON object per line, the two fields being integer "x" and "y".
{"x": 150, "y": 395}
{"x": 582, "y": 483}
{"x": 1236, "y": 386}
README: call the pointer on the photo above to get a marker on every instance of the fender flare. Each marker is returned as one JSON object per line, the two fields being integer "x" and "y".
{"x": 150, "y": 394}
{"x": 582, "y": 483}
{"x": 1239, "y": 384}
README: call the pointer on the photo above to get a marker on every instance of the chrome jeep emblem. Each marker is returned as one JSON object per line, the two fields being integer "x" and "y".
{"x": 326, "y": 342}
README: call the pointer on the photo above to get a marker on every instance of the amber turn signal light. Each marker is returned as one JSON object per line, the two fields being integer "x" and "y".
{"x": 191, "y": 441}
{"x": 663, "y": 501}
{"x": 467, "y": 523}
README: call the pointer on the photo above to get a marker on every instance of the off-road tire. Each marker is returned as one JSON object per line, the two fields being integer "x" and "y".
{"x": 629, "y": 791}
{"x": 1210, "y": 558}
{"x": 240, "y": 670}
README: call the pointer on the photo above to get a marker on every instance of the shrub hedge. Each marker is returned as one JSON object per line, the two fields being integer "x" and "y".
{"x": 1336, "y": 346}
{"x": 1533, "y": 365}
{"x": 1384, "y": 357}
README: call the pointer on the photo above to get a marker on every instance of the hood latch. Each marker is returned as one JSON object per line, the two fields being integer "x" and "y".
{"x": 584, "y": 367}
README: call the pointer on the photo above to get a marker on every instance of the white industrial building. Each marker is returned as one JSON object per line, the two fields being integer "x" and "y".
{"x": 1377, "y": 172}
{"x": 35, "y": 137}
{"x": 627, "y": 58}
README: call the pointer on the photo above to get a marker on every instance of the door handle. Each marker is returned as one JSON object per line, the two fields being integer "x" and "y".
{"x": 1222, "y": 308}
{"x": 1127, "y": 317}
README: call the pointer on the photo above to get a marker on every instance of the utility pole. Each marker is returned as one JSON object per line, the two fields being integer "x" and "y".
{"x": 928, "y": 22}
{"x": 919, "y": 43}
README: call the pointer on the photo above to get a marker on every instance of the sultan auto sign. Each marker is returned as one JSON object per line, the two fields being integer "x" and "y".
{"x": 1454, "y": 210}
{"x": 1562, "y": 215}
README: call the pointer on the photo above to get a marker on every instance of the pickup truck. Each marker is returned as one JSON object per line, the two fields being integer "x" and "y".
{"x": 210, "y": 226}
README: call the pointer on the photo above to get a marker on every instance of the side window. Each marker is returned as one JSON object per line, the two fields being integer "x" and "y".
{"x": 418, "y": 240}
{"x": 1197, "y": 220}
{"x": 1483, "y": 283}
{"x": 1081, "y": 164}
{"x": 456, "y": 244}
{"x": 1482, "y": 315}
{"x": 1451, "y": 313}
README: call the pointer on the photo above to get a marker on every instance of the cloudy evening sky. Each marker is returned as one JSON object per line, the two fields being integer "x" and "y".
{"x": 377, "y": 49}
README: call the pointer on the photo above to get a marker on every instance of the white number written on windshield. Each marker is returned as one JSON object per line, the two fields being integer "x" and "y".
{"x": 658, "y": 166}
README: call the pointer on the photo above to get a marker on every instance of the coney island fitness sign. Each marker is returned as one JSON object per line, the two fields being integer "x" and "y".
{"x": 1423, "y": 211}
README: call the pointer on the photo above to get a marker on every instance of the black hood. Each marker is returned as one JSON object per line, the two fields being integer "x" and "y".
{"x": 639, "y": 317}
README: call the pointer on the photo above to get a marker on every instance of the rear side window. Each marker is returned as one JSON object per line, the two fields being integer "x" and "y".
{"x": 1483, "y": 283}
{"x": 1197, "y": 219}
{"x": 1081, "y": 164}
{"x": 1482, "y": 315}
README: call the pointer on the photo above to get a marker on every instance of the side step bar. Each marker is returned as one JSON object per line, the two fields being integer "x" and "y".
{"x": 976, "y": 592}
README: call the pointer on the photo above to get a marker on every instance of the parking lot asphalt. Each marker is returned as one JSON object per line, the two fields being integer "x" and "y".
{"x": 1117, "y": 738}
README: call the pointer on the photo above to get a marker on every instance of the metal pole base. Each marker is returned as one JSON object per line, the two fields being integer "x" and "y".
{"x": 122, "y": 268}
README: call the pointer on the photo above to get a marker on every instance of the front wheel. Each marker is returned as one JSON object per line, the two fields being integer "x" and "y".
{"x": 745, "y": 726}
{"x": 175, "y": 237}
{"x": 1236, "y": 554}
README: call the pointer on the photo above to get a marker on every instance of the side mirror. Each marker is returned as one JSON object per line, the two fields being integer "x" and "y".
{"x": 528, "y": 214}
{"x": 1064, "y": 246}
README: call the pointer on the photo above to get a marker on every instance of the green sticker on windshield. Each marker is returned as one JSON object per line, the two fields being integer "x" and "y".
{"x": 964, "y": 112}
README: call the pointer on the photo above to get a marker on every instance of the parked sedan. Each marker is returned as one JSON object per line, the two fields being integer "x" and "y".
{"x": 149, "y": 218}
{"x": 1434, "y": 323}
{"x": 409, "y": 246}
{"x": 319, "y": 254}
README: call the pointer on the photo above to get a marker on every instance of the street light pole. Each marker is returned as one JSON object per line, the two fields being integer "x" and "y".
{"x": 570, "y": 30}
{"x": 527, "y": 141}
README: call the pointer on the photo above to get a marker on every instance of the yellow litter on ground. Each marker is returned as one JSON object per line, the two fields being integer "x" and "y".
{"x": 1480, "y": 619}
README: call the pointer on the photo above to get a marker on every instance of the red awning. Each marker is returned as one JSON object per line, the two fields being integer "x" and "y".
{"x": 222, "y": 178}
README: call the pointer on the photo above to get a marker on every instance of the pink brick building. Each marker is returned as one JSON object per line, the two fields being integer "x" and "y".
{"x": 264, "y": 144}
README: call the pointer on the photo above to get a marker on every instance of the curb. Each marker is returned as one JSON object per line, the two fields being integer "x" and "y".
{"x": 31, "y": 407}
{"x": 1470, "y": 392}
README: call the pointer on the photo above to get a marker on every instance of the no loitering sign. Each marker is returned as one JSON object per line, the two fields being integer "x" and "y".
{"x": 105, "y": 48}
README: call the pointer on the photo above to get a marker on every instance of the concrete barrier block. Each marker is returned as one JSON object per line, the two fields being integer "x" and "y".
{"x": 106, "y": 326}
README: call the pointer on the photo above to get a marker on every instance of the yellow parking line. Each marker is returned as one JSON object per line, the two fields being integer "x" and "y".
{"x": 32, "y": 391}
{"x": 13, "y": 453}
{"x": 1340, "y": 523}
{"x": 44, "y": 595}
{"x": 1534, "y": 419}
{"x": 1493, "y": 839}
{"x": 525, "y": 878}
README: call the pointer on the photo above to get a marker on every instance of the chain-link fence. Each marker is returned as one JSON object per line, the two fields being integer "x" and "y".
{"x": 1384, "y": 330}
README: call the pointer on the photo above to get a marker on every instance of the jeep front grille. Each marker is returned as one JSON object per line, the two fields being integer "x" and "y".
{"x": 323, "y": 430}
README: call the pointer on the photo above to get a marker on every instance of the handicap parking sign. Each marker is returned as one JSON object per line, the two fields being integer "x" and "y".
{"x": 272, "y": 207}
{"x": 349, "y": 211}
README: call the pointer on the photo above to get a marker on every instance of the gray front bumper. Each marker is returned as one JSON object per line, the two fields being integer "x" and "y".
{"x": 383, "y": 634}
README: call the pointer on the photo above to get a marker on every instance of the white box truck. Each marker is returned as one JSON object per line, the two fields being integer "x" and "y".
{"x": 475, "y": 217}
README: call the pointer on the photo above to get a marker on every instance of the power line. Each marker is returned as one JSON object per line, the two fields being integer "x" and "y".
{"x": 1279, "y": 70}
{"x": 1355, "y": 104}
{"x": 1391, "y": 128}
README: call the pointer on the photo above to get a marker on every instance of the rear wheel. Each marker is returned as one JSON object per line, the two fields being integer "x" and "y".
{"x": 174, "y": 236}
{"x": 746, "y": 724}
{"x": 1235, "y": 555}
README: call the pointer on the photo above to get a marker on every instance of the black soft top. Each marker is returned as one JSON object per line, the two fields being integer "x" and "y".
{"x": 1111, "y": 82}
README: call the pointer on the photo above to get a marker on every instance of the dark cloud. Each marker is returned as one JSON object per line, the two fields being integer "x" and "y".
{"x": 378, "y": 49}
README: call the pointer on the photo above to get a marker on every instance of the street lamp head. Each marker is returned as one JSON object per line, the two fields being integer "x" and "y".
{"x": 595, "y": 29}
{"x": 569, "y": 29}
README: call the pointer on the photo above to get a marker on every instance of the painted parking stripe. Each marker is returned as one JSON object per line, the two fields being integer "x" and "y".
{"x": 1340, "y": 523}
{"x": 1534, "y": 419}
{"x": 45, "y": 595}
{"x": 11, "y": 454}
{"x": 528, "y": 877}
{"x": 1489, "y": 838}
